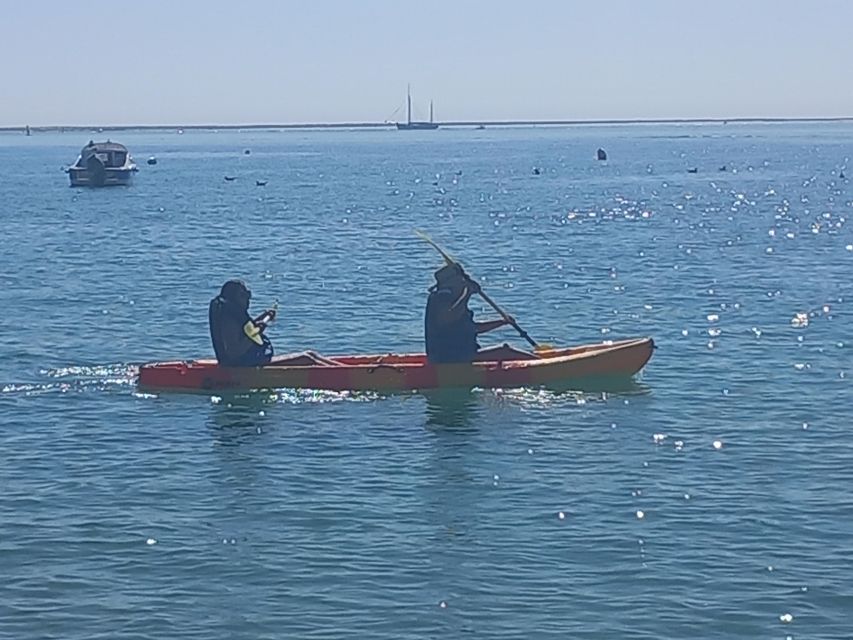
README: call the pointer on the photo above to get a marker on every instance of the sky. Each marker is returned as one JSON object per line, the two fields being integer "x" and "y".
{"x": 97, "y": 62}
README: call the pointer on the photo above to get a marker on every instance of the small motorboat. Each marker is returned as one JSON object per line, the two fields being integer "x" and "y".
{"x": 152, "y": 160}
{"x": 693, "y": 170}
{"x": 261, "y": 183}
{"x": 102, "y": 164}
{"x": 579, "y": 367}
{"x": 230, "y": 178}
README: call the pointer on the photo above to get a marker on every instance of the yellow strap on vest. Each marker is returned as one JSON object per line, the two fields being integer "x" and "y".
{"x": 253, "y": 332}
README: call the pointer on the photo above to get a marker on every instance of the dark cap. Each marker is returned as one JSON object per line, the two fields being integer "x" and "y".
{"x": 235, "y": 290}
{"x": 448, "y": 273}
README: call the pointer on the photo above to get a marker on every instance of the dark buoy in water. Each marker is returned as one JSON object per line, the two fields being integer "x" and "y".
{"x": 536, "y": 171}
{"x": 152, "y": 160}
{"x": 247, "y": 152}
{"x": 693, "y": 170}
{"x": 260, "y": 183}
{"x": 601, "y": 154}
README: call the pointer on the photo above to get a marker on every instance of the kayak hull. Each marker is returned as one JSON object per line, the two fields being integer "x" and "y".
{"x": 406, "y": 372}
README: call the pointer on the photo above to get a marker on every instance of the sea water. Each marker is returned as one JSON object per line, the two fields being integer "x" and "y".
{"x": 709, "y": 500}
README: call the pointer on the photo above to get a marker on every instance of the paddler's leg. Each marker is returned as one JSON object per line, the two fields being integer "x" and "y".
{"x": 257, "y": 356}
{"x": 503, "y": 352}
{"x": 304, "y": 359}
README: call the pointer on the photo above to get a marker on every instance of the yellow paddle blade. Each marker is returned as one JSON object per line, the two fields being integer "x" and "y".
{"x": 544, "y": 349}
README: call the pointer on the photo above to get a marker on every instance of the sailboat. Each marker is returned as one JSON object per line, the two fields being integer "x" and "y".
{"x": 408, "y": 125}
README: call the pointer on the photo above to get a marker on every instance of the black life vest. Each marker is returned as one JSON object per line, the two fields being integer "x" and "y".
{"x": 446, "y": 343}
{"x": 235, "y": 338}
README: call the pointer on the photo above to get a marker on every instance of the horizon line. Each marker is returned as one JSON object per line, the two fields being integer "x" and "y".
{"x": 448, "y": 123}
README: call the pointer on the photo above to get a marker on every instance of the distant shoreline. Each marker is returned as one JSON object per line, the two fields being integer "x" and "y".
{"x": 392, "y": 125}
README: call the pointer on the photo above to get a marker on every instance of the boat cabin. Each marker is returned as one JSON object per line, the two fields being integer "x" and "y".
{"x": 111, "y": 154}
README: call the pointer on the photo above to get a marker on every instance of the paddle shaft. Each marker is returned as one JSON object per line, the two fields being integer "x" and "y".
{"x": 509, "y": 320}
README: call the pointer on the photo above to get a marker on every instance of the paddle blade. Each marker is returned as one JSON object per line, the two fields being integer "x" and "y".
{"x": 447, "y": 257}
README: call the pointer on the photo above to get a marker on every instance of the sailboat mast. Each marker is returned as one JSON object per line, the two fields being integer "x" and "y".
{"x": 430, "y": 110}
{"x": 409, "y": 104}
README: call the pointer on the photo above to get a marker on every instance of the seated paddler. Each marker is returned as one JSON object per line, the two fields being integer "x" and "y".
{"x": 450, "y": 330}
{"x": 239, "y": 340}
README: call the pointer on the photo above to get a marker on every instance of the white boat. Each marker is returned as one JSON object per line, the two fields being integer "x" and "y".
{"x": 102, "y": 164}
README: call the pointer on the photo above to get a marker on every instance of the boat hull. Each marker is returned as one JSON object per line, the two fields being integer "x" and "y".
{"x": 391, "y": 372}
{"x": 81, "y": 177}
{"x": 417, "y": 126}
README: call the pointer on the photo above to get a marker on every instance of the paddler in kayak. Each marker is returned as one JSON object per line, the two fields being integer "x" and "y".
{"x": 239, "y": 340}
{"x": 449, "y": 327}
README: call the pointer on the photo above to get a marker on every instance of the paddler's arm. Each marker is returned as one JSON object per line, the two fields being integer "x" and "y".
{"x": 254, "y": 328}
{"x": 491, "y": 325}
{"x": 264, "y": 319}
{"x": 456, "y": 309}
{"x": 460, "y": 307}
{"x": 254, "y": 331}
{"x": 463, "y": 298}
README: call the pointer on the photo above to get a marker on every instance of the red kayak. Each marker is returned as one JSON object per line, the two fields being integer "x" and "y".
{"x": 392, "y": 372}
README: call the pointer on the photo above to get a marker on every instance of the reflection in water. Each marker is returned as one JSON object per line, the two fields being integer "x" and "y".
{"x": 458, "y": 408}
{"x": 234, "y": 420}
{"x": 462, "y": 488}
{"x": 240, "y": 461}
{"x": 452, "y": 408}
{"x": 568, "y": 395}
{"x": 608, "y": 385}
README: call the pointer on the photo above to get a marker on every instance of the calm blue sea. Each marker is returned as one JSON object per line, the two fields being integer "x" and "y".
{"x": 711, "y": 501}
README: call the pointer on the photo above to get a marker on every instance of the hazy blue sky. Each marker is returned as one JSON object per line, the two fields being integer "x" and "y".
{"x": 244, "y": 61}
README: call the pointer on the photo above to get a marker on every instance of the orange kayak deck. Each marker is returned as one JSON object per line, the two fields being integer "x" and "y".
{"x": 403, "y": 372}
